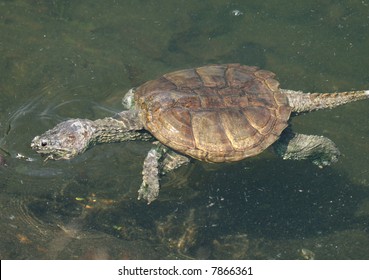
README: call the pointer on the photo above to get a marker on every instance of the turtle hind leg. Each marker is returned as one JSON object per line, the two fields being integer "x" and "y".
{"x": 171, "y": 161}
{"x": 158, "y": 161}
{"x": 319, "y": 149}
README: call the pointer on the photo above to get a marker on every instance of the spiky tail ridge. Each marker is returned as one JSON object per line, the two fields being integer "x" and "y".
{"x": 306, "y": 102}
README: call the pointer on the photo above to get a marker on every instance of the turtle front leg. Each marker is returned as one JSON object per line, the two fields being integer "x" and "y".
{"x": 149, "y": 189}
{"x": 158, "y": 161}
{"x": 319, "y": 149}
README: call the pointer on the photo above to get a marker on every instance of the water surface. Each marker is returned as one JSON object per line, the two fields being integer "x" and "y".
{"x": 66, "y": 59}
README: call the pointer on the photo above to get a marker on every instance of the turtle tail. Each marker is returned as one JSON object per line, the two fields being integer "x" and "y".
{"x": 306, "y": 102}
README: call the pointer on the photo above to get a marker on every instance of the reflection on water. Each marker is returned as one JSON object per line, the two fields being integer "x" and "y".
{"x": 62, "y": 59}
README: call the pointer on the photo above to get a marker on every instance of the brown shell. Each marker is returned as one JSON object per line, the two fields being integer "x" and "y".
{"x": 215, "y": 113}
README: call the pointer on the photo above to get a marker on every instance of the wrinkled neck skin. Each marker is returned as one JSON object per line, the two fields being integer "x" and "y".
{"x": 110, "y": 130}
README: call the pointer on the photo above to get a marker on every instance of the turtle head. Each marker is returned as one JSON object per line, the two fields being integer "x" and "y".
{"x": 66, "y": 140}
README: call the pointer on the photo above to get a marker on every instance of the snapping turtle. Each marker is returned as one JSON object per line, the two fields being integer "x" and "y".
{"x": 217, "y": 113}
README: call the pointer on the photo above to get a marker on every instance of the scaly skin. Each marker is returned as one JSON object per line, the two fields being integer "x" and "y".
{"x": 307, "y": 102}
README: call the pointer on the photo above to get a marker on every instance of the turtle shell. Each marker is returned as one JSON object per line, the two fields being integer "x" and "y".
{"x": 215, "y": 113}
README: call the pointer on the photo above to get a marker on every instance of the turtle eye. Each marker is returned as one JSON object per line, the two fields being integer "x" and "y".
{"x": 43, "y": 143}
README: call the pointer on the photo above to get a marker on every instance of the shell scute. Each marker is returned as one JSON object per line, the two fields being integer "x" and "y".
{"x": 176, "y": 122}
{"x": 236, "y": 78}
{"x": 240, "y": 133}
{"x": 184, "y": 79}
{"x": 212, "y": 76}
{"x": 261, "y": 118}
{"x": 214, "y": 140}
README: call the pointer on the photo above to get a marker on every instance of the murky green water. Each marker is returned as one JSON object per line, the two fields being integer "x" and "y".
{"x": 64, "y": 59}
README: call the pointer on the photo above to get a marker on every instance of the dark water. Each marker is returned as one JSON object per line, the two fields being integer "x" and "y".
{"x": 64, "y": 59}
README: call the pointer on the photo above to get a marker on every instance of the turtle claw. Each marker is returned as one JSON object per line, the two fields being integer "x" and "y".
{"x": 148, "y": 192}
